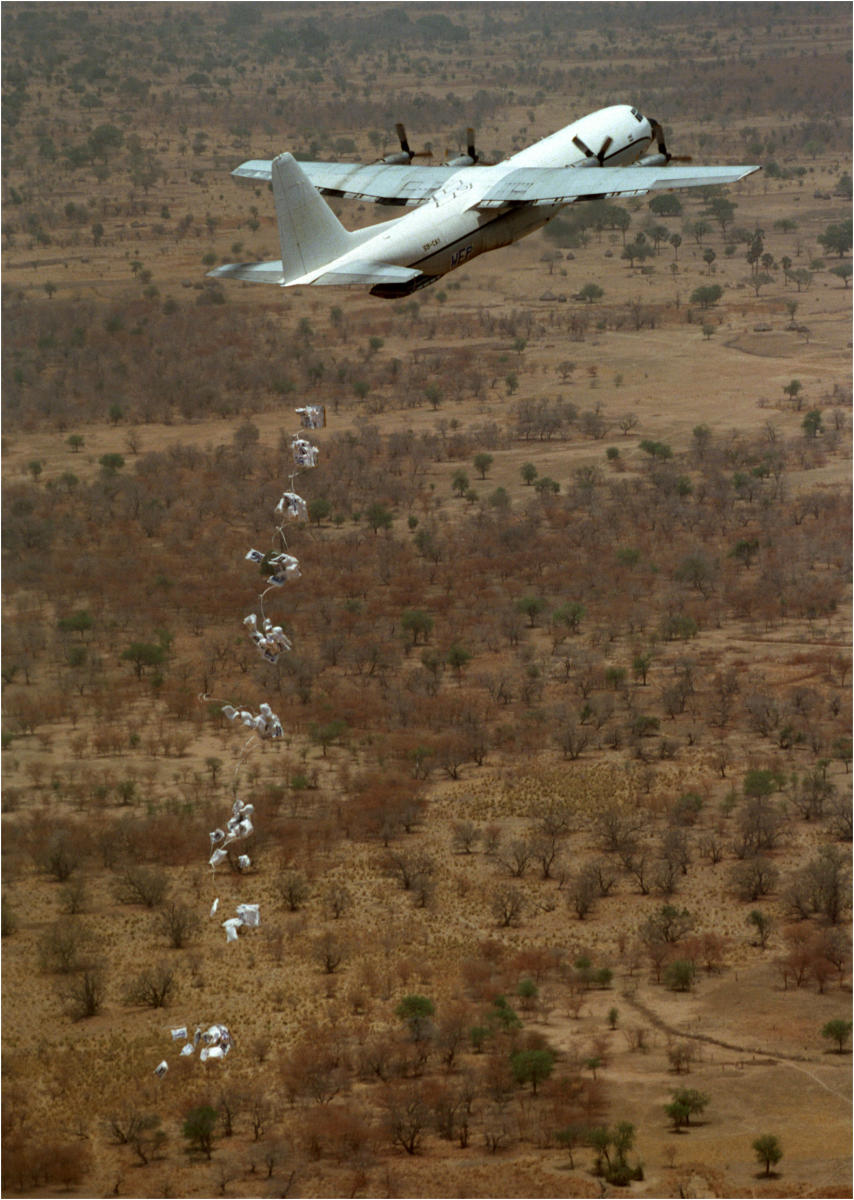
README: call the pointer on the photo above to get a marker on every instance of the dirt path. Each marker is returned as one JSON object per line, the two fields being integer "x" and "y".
{"x": 760, "y": 1057}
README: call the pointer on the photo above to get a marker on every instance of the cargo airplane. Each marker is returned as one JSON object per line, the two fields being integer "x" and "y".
{"x": 459, "y": 212}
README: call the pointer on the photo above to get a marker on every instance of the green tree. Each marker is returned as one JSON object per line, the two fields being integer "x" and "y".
{"x": 611, "y": 1148}
{"x": 767, "y": 1150}
{"x": 198, "y": 1128}
{"x": 665, "y": 205}
{"x": 838, "y": 1031}
{"x": 679, "y": 975}
{"x": 111, "y": 463}
{"x": 685, "y": 1104}
{"x": 324, "y": 735}
{"x": 637, "y": 251}
{"x": 811, "y": 423}
{"x": 836, "y": 239}
{"x": 76, "y": 441}
{"x": 458, "y": 656}
{"x": 763, "y": 924}
{"x": 482, "y": 463}
{"x": 104, "y": 139}
{"x": 792, "y": 391}
{"x": 417, "y": 1013}
{"x": 571, "y": 1136}
{"x": 723, "y": 210}
{"x": 144, "y": 656}
{"x": 569, "y": 615}
{"x": 759, "y": 783}
{"x": 460, "y": 482}
{"x": 531, "y": 606}
{"x": 590, "y": 293}
{"x": 378, "y": 516}
{"x": 707, "y": 296}
{"x": 318, "y": 510}
{"x": 418, "y": 623}
{"x": 532, "y": 1066}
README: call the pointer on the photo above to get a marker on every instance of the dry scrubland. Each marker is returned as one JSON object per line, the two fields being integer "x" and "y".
{"x": 567, "y": 757}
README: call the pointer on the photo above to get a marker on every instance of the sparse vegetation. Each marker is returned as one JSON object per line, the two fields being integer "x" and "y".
{"x": 561, "y": 815}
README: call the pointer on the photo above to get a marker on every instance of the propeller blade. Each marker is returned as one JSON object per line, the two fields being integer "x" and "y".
{"x": 401, "y": 136}
{"x": 658, "y": 134}
{"x": 603, "y": 150}
{"x": 472, "y": 153}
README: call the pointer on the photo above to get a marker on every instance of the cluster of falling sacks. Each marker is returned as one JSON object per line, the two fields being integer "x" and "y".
{"x": 239, "y": 826}
{"x": 216, "y": 1043}
{"x": 265, "y": 723}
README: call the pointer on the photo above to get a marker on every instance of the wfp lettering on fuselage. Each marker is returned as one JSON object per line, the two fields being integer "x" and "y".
{"x": 460, "y": 256}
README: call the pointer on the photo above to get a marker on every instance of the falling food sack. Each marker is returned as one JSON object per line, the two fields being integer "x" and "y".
{"x": 305, "y": 454}
{"x": 187, "y": 1050}
{"x": 244, "y": 862}
{"x": 179, "y": 1034}
{"x": 285, "y": 567}
{"x": 231, "y": 927}
{"x": 270, "y": 640}
{"x": 216, "y": 858}
{"x": 249, "y": 915}
{"x": 161, "y": 1069}
{"x": 312, "y": 416}
{"x": 214, "y": 907}
{"x": 293, "y": 506}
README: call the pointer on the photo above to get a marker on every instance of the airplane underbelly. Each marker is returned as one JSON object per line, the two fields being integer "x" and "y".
{"x": 476, "y": 233}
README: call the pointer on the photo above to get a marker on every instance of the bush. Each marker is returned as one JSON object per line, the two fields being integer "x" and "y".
{"x": 84, "y": 995}
{"x": 679, "y": 975}
{"x": 142, "y": 885}
{"x": 153, "y": 987}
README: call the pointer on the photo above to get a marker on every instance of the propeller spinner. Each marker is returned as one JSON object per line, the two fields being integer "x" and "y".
{"x": 658, "y": 135}
{"x": 469, "y": 158}
{"x": 588, "y": 153}
{"x": 405, "y": 155}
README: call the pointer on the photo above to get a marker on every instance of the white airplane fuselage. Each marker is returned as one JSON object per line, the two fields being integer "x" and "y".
{"x": 460, "y": 211}
{"x": 445, "y": 231}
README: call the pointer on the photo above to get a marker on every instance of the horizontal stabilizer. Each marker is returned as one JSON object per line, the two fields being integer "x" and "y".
{"x": 263, "y": 272}
{"x": 366, "y": 273}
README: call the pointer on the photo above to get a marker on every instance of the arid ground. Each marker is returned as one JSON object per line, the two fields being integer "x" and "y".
{"x": 553, "y": 858}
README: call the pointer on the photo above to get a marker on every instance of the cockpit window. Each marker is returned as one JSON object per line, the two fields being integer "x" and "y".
{"x": 636, "y": 115}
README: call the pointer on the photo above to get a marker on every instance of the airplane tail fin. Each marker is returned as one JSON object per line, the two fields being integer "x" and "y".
{"x": 309, "y": 232}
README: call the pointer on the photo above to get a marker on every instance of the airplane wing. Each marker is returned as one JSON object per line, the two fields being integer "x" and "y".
{"x": 562, "y": 185}
{"x": 387, "y": 184}
{"x": 379, "y": 182}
